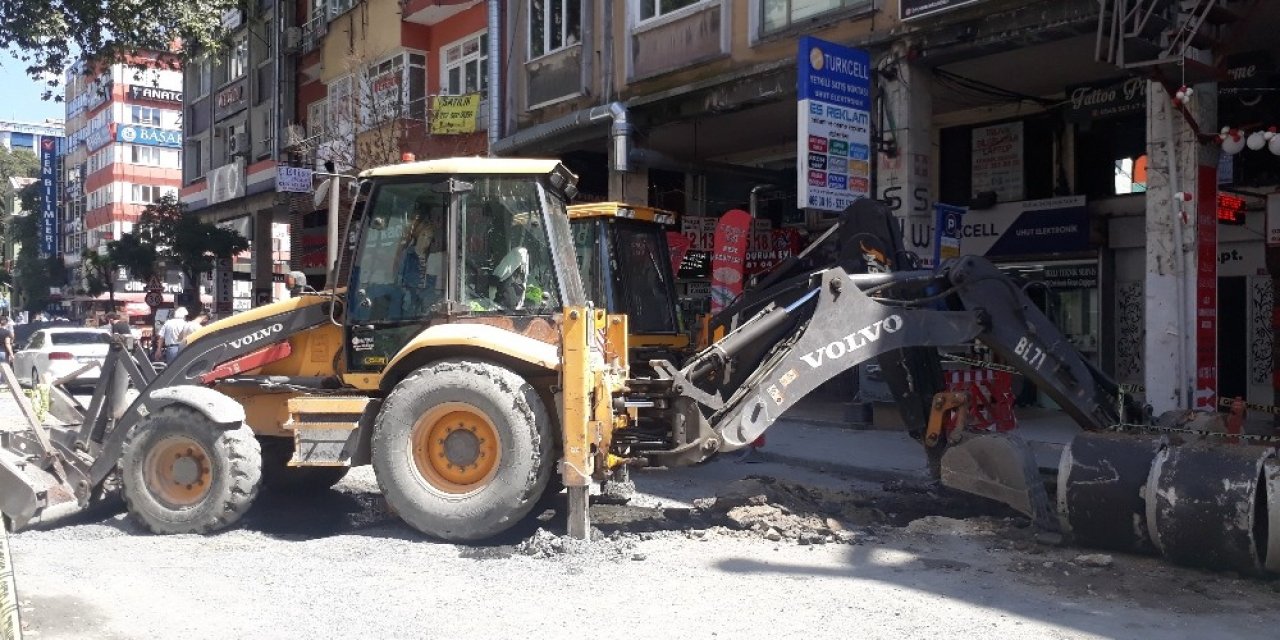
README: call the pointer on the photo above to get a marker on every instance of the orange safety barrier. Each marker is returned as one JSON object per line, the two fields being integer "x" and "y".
{"x": 990, "y": 398}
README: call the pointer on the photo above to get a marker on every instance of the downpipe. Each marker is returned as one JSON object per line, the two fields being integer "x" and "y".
{"x": 494, "y": 67}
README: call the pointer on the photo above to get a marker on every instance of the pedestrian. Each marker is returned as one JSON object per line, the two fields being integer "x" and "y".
{"x": 6, "y": 340}
{"x": 170, "y": 340}
{"x": 118, "y": 324}
{"x": 193, "y": 325}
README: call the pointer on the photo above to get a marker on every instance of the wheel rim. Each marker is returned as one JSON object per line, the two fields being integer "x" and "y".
{"x": 455, "y": 448}
{"x": 178, "y": 471}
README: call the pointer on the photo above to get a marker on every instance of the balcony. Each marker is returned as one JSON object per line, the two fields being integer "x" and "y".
{"x": 429, "y": 12}
{"x": 313, "y": 33}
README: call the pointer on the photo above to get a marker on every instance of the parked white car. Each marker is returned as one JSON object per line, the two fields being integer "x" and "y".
{"x": 57, "y": 352}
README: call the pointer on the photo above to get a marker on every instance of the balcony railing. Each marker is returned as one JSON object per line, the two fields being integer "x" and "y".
{"x": 313, "y": 33}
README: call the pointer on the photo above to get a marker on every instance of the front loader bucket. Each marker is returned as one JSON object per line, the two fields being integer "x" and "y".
{"x": 1001, "y": 467}
{"x": 30, "y": 494}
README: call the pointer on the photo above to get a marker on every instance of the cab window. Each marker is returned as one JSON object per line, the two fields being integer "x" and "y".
{"x": 506, "y": 265}
{"x": 401, "y": 272}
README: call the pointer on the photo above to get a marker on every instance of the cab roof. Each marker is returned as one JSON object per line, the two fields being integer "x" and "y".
{"x": 621, "y": 210}
{"x": 463, "y": 166}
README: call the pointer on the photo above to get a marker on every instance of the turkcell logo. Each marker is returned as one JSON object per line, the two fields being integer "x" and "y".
{"x": 859, "y": 151}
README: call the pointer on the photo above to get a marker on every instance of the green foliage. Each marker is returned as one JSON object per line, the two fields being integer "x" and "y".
{"x": 15, "y": 164}
{"x": 51, "y": 36}
{"x": 99, "y": 273}
{"x": 165, "y": 231}
{"x": 40, "y": 399}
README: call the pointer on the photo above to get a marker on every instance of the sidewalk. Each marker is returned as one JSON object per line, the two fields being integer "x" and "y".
{"x": 826, "y": 437}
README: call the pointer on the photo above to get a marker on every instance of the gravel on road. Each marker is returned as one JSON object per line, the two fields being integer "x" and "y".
{"x": 723, "y": 550}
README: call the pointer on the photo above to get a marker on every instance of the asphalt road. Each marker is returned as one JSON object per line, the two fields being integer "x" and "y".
{"x": 340, "y": 566}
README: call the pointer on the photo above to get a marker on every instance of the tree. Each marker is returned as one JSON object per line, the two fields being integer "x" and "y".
{"x": 49, "y": 36}
{"x": 33, "y": 274}
{"x": 180, "y": 239}
{"x": 18, "y": 163}
{"x": 99, "y": 275}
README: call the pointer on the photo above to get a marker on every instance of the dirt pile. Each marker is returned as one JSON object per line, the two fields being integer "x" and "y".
{"x": 779, "y": 510}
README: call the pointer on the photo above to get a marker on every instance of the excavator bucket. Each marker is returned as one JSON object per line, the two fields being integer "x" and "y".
{"x": 1001, "y": 467}
{"x": 31, "y": 494}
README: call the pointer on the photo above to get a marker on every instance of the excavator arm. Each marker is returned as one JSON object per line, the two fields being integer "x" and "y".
{"x": 819, "y": 325}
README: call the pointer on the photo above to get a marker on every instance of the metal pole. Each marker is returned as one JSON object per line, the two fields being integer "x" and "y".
{"x": 335, "y": 184}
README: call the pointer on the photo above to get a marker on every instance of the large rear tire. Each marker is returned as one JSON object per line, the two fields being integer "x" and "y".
{"x": 463, "y": 449}
{"x": 279, "y": 477}
{"x": 184, "y": 474}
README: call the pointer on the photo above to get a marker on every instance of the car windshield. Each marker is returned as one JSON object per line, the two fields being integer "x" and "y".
{"x": 79, "y": 337}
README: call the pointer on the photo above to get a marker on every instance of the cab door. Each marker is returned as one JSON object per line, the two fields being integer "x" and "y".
{"x": 398, "y": 281}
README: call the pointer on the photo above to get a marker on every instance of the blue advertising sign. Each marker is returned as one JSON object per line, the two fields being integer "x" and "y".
{"x": 48, "y": 197}
{"x": 948, "y": 229}
{"x": 834, "y": 129}
{"x": 135, "y": 134}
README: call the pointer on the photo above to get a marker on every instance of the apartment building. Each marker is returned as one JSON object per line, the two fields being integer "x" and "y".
{"x": 233, "y": 105}
{"x": 123, "y": 152}
{"x": 16, "y": 134}
{"x": 1032, "y": 115}
{"x": 370, "y": 77}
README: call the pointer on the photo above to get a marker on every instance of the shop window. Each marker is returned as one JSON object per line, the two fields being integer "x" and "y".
{"x": 463, "y": 66}
{"x": 1131, "y": 175}
{"x": 776, "y": 15}
{"x": 650, "y": 9}
{"x": 553, "y": 25}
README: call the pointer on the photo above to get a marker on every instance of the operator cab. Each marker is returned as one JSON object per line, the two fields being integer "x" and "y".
{"x": 440, "y": 240}
{"x": 625, "y": 267}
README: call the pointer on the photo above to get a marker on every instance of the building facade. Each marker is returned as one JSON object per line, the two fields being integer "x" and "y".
{"x": 370, "y": 80}
{"x": 123, "y": 152}
{"x": 28, "y": 135}
{"x": 1057, "y": 147}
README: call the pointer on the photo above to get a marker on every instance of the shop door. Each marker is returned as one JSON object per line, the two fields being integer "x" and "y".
{"x": 1233, "y": 332}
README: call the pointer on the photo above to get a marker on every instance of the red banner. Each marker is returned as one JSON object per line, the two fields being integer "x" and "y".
{"x": 1206, "y": 288}
{"x": 729, "y": 257}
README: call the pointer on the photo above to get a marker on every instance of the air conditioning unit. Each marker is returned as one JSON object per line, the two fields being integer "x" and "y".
{"x": 238, "y": 144}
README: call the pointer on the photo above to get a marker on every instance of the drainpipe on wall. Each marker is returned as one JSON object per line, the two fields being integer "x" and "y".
{"x": 619, "y": 133}
{"x": 606, "y": 50}
{"x": 495, "y": 66}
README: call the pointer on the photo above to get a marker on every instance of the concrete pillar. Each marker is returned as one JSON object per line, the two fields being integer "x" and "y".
{"x": 1181, "y": 282}
{"x": 631, "y": 187}
{"x": 903, "y": 177}
{"x": 262, "y": 254}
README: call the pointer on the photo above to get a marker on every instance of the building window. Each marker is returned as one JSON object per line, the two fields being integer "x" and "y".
{"x": 145, "y": 194}
{"x": 193, "y": 168}
{"x": 394, "y": 88}
{"x": 339, "y": 7}
{"x": 462, "y": 68}
{"x": 339, "y": 106}
{"x": 780, "y": 14}
{"x": 650, "y": 9}
{"x": 149, "y": 156}
{"x": 554, "y": 25}
{"x": 317, "y": 119}
{"x": 238, "y": 58}
{"x": 145, "y": 115}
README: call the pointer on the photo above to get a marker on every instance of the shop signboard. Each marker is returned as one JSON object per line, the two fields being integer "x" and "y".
{"x": 834, "y": 128}
{"x": 1111, "y": 99}
{"x": 293, "y": 179}
{"x": 154, "y": 94}
{"x": 948, "y": 226}
{"x": 1032, "y": 227}
{"x": 150, "y": 136}
{"x": 997, "y": 160}
{"x": 231, "y": 99}
{"x": 1206, "y": 288}
{"x": 48, "y": 198}
{"x": 915, "y": 9}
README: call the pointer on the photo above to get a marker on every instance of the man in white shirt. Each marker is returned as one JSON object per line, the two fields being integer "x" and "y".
{"x": 170, "y": 339}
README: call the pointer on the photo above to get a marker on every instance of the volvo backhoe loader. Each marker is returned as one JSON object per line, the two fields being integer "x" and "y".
{"x": 459, "y": 356}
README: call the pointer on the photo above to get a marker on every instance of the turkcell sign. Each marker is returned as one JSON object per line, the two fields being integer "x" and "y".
{"x": 833, "y": 131}
{"x": 48, "y": 198}
{"x": 151, "y": 136}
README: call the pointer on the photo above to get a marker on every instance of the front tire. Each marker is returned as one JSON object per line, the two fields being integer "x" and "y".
{"x": 463, "y": 449}
{"x": 184, "y": 474}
